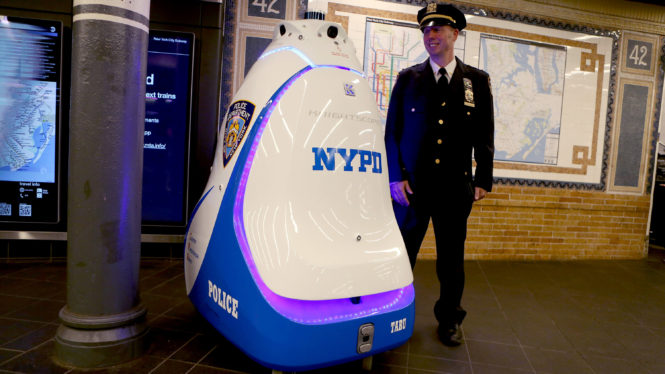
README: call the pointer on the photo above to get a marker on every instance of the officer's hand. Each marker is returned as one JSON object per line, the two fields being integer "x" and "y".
{"x": 398, "y": 191}
{"x": 480, "y": 194}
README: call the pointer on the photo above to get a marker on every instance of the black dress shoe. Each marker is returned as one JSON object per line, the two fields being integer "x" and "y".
{"x": 450, "y": 336}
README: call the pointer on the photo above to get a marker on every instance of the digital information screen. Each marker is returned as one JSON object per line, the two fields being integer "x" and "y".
{"x": 30, "y": 59}
{"x": 167, "y": 119}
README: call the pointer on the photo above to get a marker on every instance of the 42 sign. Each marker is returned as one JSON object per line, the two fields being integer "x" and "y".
{"x": 639, "y": 55}
{"x": 267, "y": 8}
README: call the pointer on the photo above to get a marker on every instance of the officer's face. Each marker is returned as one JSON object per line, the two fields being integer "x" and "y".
{"x": 439, "y": 39}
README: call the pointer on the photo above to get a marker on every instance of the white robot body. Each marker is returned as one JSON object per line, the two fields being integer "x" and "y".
{"x": 298, "y": 201}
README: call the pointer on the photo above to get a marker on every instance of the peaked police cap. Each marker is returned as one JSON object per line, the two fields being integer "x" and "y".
{"x": 440, "y": 15}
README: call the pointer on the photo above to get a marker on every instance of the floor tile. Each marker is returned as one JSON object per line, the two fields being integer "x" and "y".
{"x": 543, "y": 335}
{"x": 203, "y": 369}
{"x": 141, "y": 365}
{"x": 44, "y": 290}
{"x": 40, "y": 310}
{"x": 11, "y": 329}
{"x": 174, "y": 287}
{"x": 164, "y": 343}
{"x": 7, "y": 354}
{"x": 173, "y": 367}
{"x": 613, "y": 365}
{"x": 353, "y": 367}
{"x": 595, "y": 342}
{"x": 654, "y": 365}
{"x": 156, "y": 304}
{"x": 488, "y": 326}
{"x": 382, "y": 369}
{"x": 439, "y": 365}
{"x": 36, "y": 361}
{"x": 479, "y": 368}
{"x": 183, "y": 309}
{"x": 197, "y": 348}
{"x": 11, "y": 304}
{"x": 425, "y": 342}
{"x": 52, "y": 272}
{"x": 557, "y": 362}
{"x": 227, "y": 356}
{"x": 33, "y": 338}
{"x": 392, "y": 358}
{"x": 194, "y": 324}
{"x": 15, "y": 286}
{"x": 510, "y": 356}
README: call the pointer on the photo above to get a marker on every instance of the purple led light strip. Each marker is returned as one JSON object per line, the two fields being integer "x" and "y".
{"x": 312, "y": 312}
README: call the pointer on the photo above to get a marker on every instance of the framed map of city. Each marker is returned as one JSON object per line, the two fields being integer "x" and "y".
{"x": 550, "y": 85}
{"x": 528, "y": 80}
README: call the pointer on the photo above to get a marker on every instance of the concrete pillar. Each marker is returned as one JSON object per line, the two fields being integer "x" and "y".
{"x": 103, "y": 322}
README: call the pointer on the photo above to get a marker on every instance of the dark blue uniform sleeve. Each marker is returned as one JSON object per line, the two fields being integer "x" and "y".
{"x": 394, "y": 130}
{"x": 483, "y": 145}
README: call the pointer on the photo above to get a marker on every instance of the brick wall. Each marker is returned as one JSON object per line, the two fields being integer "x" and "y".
{"x": 533, "y": 223}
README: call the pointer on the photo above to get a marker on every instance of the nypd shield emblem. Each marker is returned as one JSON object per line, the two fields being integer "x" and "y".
{"x": 237, "y": 120}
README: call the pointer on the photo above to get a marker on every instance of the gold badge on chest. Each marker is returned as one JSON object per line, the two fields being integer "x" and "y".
{"x": 468, "y": 93}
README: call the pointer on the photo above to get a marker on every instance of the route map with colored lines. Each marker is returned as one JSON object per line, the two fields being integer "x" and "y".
{"x": 391, "y": 46}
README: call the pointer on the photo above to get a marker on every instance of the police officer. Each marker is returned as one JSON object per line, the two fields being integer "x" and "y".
{"x": 440, "y": 114}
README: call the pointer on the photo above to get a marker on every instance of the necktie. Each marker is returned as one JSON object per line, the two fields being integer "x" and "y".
{"x": 443, "y": 80}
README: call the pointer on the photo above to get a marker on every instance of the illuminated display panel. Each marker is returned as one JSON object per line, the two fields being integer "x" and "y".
{"x": 30, "y": 73}
{"x": 167, "y": 124}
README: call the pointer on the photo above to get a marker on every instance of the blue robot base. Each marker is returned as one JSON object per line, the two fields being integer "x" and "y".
{"x": 230, "y": 299}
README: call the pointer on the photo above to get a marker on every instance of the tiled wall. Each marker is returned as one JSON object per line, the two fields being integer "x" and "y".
{"x": 534, "y": 223}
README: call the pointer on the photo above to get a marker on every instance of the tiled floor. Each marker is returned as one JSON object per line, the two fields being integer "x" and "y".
{"x": 524, "y": 317}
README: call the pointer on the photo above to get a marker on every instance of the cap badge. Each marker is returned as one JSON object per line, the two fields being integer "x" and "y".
{"x": 431, "y": 8}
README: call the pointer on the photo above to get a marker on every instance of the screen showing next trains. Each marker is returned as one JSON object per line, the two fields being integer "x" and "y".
{"x": 30, "y": 53}
{"x": 166, "y": 137}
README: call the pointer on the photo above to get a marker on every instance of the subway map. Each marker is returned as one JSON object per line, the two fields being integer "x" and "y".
{"x": 527, "y": 83}
{"x": 391, "y": 46}
{"x": 27, "y": 130}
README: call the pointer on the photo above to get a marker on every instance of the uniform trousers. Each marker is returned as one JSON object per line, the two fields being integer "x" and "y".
{"x": 448, "y": 205}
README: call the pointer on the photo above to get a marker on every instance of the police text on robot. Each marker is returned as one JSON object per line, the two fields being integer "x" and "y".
{"x": 223, "y": 300}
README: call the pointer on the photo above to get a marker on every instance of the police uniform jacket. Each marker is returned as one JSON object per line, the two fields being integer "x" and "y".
{"x": 422, "y": 127}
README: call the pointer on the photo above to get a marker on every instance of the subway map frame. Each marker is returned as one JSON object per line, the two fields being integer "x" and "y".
{"x": 563, "y": 73}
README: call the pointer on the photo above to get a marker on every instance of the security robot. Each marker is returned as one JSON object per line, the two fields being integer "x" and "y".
{"x": 293, "y": 252}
